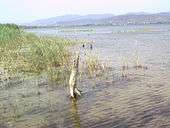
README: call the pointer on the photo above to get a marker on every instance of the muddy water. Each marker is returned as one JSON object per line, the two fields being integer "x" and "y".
{"x": 139, "y": 99}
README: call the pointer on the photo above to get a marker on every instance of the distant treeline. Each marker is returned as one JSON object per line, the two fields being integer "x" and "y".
{"x": 35, "y": 27}
{"x": 88, "y": 25}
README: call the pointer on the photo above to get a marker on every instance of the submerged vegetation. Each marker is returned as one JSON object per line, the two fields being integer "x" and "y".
{"x": 26, "y": 53}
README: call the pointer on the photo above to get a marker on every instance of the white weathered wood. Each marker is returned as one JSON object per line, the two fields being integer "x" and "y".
{"x": 73, "y": 78}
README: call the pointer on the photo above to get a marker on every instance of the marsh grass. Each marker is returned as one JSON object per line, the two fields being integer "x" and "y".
{"x": 138, "y": 64}
{"x": 93, "y": 66}
{"x": 26, "y": 53}
{"x": 125, "y": 67}
{"x": 128, "y": 62}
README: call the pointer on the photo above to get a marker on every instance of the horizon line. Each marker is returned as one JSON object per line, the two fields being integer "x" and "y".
{"x": 72, "y": 14}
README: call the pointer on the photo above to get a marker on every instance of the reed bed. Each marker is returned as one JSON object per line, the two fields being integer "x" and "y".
{"x": 25, "y": 53}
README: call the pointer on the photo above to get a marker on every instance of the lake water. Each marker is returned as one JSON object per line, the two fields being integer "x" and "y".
{"x": 140, "y": 99}
{"x": 149, "y": 42}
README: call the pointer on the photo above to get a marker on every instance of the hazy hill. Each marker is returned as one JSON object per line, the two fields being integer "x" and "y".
{"x": 71, "y": 19}
{"x": 104, "y": 19}
{"x": 138, "y": 19}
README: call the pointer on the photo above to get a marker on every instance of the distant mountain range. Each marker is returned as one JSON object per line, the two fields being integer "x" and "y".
{"x": 104, "y": 19}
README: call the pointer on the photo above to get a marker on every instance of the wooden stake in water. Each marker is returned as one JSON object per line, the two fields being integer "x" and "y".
{"x": 73, "y": 78}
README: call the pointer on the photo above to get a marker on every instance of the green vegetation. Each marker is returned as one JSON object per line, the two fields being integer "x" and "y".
{"x": 94, "y": 66}
{"x": 26, "y": 53}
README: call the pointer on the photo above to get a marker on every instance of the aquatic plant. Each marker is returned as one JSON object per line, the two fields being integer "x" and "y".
{"x": 138, "y": 62}
{"x": 93, "y": 65}
{"x": 26, "y": 53}
{"x": 125, "y": 66}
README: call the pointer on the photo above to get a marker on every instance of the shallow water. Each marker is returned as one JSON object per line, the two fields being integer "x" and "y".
{"x": 151, "y": 42}
{"x": 141, "y": 99}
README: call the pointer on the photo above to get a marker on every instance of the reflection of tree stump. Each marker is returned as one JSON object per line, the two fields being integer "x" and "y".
{"x": 75, "y": 115}
{"x": 73, "y": 78}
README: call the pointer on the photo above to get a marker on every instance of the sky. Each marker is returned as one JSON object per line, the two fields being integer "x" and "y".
{"x": 25, "y": 11}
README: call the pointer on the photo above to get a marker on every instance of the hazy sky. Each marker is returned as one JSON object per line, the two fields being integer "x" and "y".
{"x": 20, "y": 11}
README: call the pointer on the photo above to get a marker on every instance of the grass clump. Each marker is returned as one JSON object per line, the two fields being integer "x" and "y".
{"x": 26, "y": 53}
{"x": 94, "y": 66}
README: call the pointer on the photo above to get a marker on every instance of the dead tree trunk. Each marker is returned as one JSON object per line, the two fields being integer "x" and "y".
{"x": 73, "y": 78}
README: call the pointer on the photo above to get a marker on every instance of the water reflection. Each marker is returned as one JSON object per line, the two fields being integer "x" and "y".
{"x": 75, "y": 114}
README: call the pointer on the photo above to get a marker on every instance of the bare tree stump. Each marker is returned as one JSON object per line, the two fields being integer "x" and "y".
{"x": 73, "y": 78}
